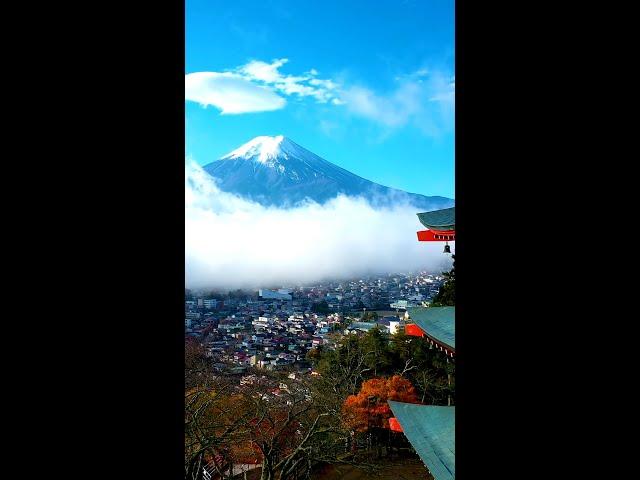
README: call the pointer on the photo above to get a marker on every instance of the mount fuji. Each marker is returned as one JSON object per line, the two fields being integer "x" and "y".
{"x": 275, "y": 171}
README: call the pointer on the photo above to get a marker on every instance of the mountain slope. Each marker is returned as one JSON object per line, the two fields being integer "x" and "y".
{"x": 275, "y": 171}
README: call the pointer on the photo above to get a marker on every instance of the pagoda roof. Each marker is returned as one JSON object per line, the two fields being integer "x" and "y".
{"x": 431, "y": 431}
{"x": 439, "y": 219}
{"x": 437, "y": 322}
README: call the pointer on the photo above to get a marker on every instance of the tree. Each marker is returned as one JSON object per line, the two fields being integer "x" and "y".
{"x": 369, "y": 316}
{"x": 320, "y": 307}
{"x": 447, "y": 294}
{"x": 196, "y": 363}
{"x": 212, "y": 418}
{"x": 344, "y": 368}
{"x": 427, "y": 368}
{"x": 285, "y": 425}
{"x": 369, "y": 408}
{"x": 314, "y": 355}
{"x": 290, "y": 427}
{"x": 375, "y": 341}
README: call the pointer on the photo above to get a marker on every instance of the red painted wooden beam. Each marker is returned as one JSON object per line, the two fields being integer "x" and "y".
{"x": 413, "y": 330}
{"x": 394, "y": 424}
{"x": 436, "y": 236}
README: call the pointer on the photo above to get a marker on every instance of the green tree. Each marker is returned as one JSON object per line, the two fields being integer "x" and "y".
{"x": 375, "y": 341}
{"x": 369, "y": 316}
{"x": 314, "y": 355}
{"x": 429, "y": 369}
{"x": 447, "y": 294}
{"x": 320, "y": 307}
{"x": 345, "y": 368}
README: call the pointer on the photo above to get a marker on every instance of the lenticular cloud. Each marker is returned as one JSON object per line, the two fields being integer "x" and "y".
{"x": 231, "y": 93}
{"x": 233, "y": 243}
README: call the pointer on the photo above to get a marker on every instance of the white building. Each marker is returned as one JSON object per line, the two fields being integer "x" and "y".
{"x": 210, "y": 303}
{"x": 274, "y": 295}
{"x": 393, "y": 327}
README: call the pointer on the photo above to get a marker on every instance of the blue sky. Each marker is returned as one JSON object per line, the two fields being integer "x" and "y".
{"x": 367, "y": 85}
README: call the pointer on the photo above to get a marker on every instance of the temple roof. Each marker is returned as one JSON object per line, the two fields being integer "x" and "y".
{"x": 437, "y": 322}
{"x": 439, "y": 219}
{"x": 431, "y": 431}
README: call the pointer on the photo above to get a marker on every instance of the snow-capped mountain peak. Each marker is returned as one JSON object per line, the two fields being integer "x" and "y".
{"x": 278, "y": 171}
{"x": 263, "y": 149}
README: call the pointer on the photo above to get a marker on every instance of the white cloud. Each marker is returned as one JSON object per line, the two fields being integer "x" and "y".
{"x": 232, "y": 243}
{"x": 306, "y": 85}
{"x": 255, "y": 87}
{"x": 231, "y": 93}
{"x": 365, "y": 102}
{"x": 265, "y": 72}
{"x": 424, "y": 99}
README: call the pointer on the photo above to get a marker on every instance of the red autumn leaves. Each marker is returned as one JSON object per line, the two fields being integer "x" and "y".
{"x": 369, "y": 409}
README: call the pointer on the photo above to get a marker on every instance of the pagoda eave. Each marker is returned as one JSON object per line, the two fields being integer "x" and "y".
{"x": 414, "y": 330}
{"x": 436, "y": 235}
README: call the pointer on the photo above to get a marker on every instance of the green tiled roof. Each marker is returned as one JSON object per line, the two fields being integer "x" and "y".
{"x": 439, "y": 219}
{"x": 437, "y": 322}
{"x": 431, "y": 431}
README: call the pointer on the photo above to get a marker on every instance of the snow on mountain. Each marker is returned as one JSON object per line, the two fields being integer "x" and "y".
{"x": 275, "y": 171}
{"x": 261, "y": 149}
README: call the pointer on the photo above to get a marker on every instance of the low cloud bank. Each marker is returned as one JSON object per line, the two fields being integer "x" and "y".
{"x": 234, "y": 243}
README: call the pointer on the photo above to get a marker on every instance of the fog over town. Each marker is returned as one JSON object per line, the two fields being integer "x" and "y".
{"x": 233, "y": 243}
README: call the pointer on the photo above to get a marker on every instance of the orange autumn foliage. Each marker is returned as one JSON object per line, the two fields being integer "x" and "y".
{"x": 369, "y": 407}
